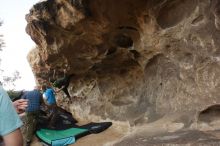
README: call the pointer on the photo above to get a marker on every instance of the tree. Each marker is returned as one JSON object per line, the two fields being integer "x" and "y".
{"x": 1, "y": 41}
{"x": 8, "y": 81}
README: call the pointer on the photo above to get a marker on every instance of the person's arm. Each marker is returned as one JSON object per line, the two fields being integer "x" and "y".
{"x": 14, "y": 138}
{"x": 44, "y": 96}
{"x": 59, "y": 89}
{"x": 43, "y": 100}
{"x": 10, "y": 122}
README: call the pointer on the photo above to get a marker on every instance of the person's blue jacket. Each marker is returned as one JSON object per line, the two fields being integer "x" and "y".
{"x": 49, "y": 95}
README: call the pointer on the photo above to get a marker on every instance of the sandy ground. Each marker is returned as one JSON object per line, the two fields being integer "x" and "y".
{"x": 163, "y": 132}
{"x": 180, "y": 138}
{"x": 159, "y": 133}
{"x": 168, "y": 132}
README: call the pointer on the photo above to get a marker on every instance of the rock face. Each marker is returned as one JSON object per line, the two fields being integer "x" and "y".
{"x": 134, "y": 61}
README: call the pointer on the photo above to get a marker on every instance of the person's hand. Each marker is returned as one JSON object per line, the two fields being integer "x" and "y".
{"x": 20, "y": 105}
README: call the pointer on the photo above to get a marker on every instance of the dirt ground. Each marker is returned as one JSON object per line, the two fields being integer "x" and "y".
{"x": 163, "y": 132}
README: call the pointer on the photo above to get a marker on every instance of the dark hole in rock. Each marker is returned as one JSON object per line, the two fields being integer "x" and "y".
{"x": 95, "y": 67}
{"x": 123, "y": 41}
{"x": 127, "y": 27}
{"x": 123, "y": 71}
{"x": 111, "y": 51}
{"x": 210, "y": 114}
{"x": 198, "y": 19}
{"x": 135, "y": 53}
{"x": 121, "y": 103}
{"x": 82, "y": 5}
{"x": 167, "y": 46}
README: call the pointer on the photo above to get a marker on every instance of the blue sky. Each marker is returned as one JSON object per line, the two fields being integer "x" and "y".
{"x": 18, "y": 43}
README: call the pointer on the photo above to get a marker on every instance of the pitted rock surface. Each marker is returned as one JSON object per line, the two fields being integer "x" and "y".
{"x": 135, "y": 61}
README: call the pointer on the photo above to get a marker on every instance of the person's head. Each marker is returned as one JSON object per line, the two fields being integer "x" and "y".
{"x": 44, "y": 87}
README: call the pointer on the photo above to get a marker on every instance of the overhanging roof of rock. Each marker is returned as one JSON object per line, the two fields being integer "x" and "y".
{"x": 97, "y": 35}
